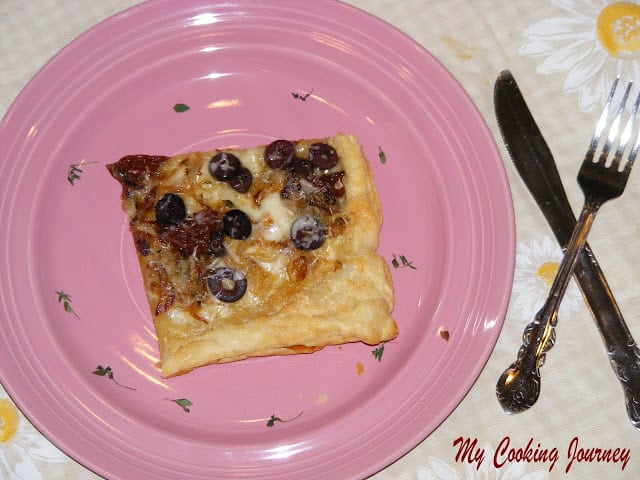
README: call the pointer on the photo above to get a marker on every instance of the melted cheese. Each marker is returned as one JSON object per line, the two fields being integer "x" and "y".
{"x": 273, "y": 262}
{"x": 252, "y": 159}
{"x": 277, "y": 218}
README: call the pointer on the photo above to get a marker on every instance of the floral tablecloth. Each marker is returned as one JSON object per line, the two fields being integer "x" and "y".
{"x": 564, "y": 55}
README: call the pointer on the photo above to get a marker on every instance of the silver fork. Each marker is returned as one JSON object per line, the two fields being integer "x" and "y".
{"x": 518, "y": 388}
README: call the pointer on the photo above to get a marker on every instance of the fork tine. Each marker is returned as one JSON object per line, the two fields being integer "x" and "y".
{"x": 602, "y": 121}
{"x": 614, "y": 130}
{"x": 629, "y": 129}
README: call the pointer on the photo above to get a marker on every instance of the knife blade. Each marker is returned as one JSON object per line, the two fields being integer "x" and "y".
{"x": 536, "y": 166}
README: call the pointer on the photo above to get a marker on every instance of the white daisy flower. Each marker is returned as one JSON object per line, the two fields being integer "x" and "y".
{"x": 437, "y": 469}
{"x": 594, "y": 42}
{"x": 21, "y": 446}
{"x": 536, "y": 266}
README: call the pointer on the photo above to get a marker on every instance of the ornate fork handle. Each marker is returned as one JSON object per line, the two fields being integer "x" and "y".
{"x": 519, "y": 386}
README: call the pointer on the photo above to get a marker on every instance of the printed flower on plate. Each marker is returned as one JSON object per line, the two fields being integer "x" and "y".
{"x": 437, "y": 469}
{"x": 21, "y": 446}
{"x": 536, "y": 266}
{"x": 594, "y": 41}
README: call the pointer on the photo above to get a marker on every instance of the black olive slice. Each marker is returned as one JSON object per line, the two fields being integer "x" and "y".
{"x": 307, "y": 233}
{"x": 224, "y": 166}
{"x": 236, "y": 224}
{"x": 323, "y": 156}
{"x": 279, "y": 154}
{"x": 170, "y": 210}
{"x": 226, "y": 284}
{"x": 241, "y": 181}
{"x": 302, "y": 167}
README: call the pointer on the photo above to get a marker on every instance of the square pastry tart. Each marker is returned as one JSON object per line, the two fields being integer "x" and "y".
{"x": 262, "y": 251}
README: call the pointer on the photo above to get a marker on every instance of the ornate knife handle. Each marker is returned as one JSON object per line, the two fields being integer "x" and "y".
{"x": 623, "y": 352}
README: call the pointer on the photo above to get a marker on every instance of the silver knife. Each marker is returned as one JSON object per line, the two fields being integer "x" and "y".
{"x": 535, "y": 164}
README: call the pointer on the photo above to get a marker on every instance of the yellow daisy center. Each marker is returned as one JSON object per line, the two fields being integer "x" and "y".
{"x": 547, "y": 272}
{"x": 618, "y": 29}
{"x": 8, "y": 420}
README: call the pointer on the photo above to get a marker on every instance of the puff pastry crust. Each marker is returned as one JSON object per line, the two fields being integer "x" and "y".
{"x": 296, "y": 300}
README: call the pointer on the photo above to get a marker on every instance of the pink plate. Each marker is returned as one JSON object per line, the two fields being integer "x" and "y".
{"x": 77, "y": 348}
